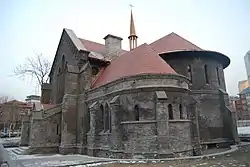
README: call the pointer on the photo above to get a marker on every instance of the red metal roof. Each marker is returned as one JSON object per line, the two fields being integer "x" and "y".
{"x": 141, "y": 60}
{"x": 173, "y": 42}
{"x": 98, "y": 48}
{"x": 93, "y": 46}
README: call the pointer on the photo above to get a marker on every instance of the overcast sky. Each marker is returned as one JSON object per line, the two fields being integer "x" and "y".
{"x": 36, "y": 25}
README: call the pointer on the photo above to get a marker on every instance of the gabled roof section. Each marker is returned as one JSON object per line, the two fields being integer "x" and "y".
{"x": 93, "y": 46}
{"x": 173, "y": 42}
{"x": 96, "y": 49}
{"x": 141, "y": 60}
{"x": 77, "y": 43}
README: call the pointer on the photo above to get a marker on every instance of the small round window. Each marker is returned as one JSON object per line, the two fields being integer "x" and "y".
{"x": 95, "y": 70}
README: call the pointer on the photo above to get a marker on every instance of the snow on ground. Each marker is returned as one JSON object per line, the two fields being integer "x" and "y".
{"x": 11, "y": 139}
{"x": 244, "y": 131}
{"x": 42, "y": 163}
{"x": 43, "y": 160}
{"x": 94, "y": 164}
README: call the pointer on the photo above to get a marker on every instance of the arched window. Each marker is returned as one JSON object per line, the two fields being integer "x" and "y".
{"x": 102, "y": 118}
{"x": 206, "y": 74}
{"x": 190, "y": 73}
{"x": 170, "y": 111}
{"x": 106, "y": 118}
{"x": 181, "y": 111}
{"x": 218, "y": 75}
{"x": 137, "y": 113}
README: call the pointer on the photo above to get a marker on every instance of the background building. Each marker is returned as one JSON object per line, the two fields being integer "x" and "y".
{"x": 32, "y": 99}
{"x": 242, "y": 85}
{"x": 232, "y": 101}
{"x": 11, "y": 116}
{"x": 247, "y": 64}
{"x": 243, "y": 105}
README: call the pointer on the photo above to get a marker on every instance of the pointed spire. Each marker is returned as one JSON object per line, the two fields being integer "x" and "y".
{"x": 132, "y": 25}
{"x": 132, "y": 36}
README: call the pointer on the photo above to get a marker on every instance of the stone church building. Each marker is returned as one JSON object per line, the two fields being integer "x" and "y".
{"x": 163, "y": 99}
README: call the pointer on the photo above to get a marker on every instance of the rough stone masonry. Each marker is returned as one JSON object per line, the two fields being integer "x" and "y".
{"x": 158, "y": 100}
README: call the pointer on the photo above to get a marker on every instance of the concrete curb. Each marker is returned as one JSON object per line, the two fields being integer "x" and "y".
{"x": 233, "y": 148}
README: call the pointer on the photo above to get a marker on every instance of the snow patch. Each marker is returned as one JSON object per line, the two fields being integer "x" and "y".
{"x": 244, "y": 131}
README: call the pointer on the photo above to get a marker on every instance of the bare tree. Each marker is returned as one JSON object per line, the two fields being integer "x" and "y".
{"x": 38, "y": 67}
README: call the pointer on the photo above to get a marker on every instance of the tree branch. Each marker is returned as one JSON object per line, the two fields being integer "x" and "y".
{"x": 37, "y": 67}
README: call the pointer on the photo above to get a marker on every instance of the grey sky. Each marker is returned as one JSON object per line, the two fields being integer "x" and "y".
{"x": 28, "y": 26}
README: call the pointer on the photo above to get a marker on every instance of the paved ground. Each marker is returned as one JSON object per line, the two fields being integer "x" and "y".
{"x": 37, "y": 160}
{"x": 240, "y": 158}
{"x": 61, "y": 161}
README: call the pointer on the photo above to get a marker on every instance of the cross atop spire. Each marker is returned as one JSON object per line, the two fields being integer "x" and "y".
{"x": 132, "y": 36}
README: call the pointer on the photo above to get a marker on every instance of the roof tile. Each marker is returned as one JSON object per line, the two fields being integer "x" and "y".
{"x": 173, "y": 42}
{"x": 141, "y": 60}
{"x": 93, "y": 46}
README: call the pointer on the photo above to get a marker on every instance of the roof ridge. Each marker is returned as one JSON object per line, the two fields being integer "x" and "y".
{"x": 173, "y": 33}
{"x": 185, "y": 39}
{"x": 171, "y": 42}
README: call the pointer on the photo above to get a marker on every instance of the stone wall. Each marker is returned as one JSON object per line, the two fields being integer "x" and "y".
{"x": 204, "y": 85}
{"x": 68, "y": 53}
{"x": 197, "y": 63}
{"x": 46, "y": 93}
{"x": 133, "y": 131}
{"x": 211, "y": 123}
{"x": 45, "y": 133}
{"x": 127, "y": 84}
{"x": 69, "y": 124}
{"x": 180, "y": 136}
{"x": 25, "y": 132}
{"x": 140, "y": 137}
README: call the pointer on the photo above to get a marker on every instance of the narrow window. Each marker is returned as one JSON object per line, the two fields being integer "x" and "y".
{"x": 110, "y": 121}
{"x": 170, "y": 111}
{"x": 102, "y": 118}
{"x": 59, "y": 72}
{"x": 218, "y": 76}
{"x": 106, "y": 120}
{"x": 57, "y": 129}
{"x": 206, "y": 75}
{"x": 88, "y": 124}
{"x": 190, "y": 73}
{"x": 137, "y": 113}
{"x": 181, "y": 112}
